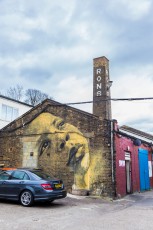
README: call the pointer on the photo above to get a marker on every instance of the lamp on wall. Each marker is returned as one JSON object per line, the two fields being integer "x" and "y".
{"x": 137, "y": 142}
{"x": 109, "y": 84}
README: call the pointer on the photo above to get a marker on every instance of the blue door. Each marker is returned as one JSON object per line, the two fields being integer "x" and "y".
{"x": 144, "y": 170}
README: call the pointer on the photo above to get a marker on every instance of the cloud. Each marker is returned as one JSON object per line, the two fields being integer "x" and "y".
{"x": 132, "y": 10}
{"x": 134, "y": 82}
{"x": 41, "y": 74}
{"x": 130, "y": 82}
{"x": 50, "y": 46}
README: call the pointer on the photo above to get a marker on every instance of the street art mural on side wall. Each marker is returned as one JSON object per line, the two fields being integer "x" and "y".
{"x": 63, "y": 144}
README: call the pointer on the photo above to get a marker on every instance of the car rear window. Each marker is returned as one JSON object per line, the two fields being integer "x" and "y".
{"x": 41, "y": 176}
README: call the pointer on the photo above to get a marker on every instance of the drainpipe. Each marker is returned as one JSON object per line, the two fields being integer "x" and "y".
{"x": 112, "y": 148}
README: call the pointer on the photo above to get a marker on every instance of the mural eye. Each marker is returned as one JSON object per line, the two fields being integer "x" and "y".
{"x": 61, "y": 125}
{"x": 58, "y": 123}
{"x": 44, "y": 146}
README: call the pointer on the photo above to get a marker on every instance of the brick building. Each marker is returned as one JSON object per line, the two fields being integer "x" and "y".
{"x": 69, "y": 143}
{"x": 134, "y": 160}
{"x": 88, "y": 151}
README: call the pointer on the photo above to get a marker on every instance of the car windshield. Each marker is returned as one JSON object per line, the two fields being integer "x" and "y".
{"x": 40, "y": 175}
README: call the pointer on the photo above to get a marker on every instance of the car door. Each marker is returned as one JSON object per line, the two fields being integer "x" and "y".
{"x": 15, "y": 184}
{"x": 4, "y": 178}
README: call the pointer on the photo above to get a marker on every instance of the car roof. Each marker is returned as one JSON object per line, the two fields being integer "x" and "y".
{"x": 27, "y": 169}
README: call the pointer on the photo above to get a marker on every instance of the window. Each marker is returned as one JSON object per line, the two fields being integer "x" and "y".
{"x": 18, "y": 175}
{"x": 5, "y": 175}
{"x": 26, "y": 177}
{"x": 41, "y": 176}
{"x": 9, "y": 113}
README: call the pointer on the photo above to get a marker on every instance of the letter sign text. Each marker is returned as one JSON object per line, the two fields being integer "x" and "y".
{"x": 98, "y": 81}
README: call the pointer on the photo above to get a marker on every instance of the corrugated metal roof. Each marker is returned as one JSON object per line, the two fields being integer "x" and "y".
{"x": 136, "y": 133}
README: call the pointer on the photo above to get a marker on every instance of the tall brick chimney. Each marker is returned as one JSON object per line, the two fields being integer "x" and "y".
{"x": 101, "y": 88}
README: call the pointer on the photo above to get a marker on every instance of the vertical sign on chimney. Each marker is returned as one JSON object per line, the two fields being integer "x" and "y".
{"x": 101, "y": 89}
{"x": 98, "y": 72}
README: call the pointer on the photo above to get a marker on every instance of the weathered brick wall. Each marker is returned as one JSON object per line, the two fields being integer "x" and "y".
{"x": 16, "y": 144}
{"x": 10, "y": 150}
{"x": 101, "y": 88}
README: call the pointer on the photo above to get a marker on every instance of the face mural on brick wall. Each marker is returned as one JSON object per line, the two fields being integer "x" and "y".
{"x": 62, "y": 142}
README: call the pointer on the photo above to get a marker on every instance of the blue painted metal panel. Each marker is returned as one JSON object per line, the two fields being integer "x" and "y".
{"x": 144, "y": 170}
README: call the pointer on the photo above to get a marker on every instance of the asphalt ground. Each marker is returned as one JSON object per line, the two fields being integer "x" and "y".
{"x": 134, "y": 211}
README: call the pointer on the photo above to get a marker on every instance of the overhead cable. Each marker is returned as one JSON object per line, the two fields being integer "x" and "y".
{"x": 111, "y": 99}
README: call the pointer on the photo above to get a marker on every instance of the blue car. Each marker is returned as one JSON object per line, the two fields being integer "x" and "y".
{"x": 28, "y": 186}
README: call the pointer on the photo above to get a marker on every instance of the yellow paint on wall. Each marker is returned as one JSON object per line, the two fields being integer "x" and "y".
{"x": 63, "y": 138}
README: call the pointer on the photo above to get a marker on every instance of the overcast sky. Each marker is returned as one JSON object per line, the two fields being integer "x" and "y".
{"x": 50, "y": 45}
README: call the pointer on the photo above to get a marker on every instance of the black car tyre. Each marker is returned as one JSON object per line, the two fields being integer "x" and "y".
{"x": 26, "y": 198}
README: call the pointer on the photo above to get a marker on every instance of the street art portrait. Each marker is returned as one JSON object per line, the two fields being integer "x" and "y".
{"x": 58, "y": 146}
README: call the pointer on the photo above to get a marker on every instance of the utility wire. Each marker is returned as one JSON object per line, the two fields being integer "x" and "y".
{"x": 75, "y": 103}
{"x": 112, "y": 99}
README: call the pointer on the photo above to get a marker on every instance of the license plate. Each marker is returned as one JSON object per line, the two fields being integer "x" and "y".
{"x": 58, "y": 185}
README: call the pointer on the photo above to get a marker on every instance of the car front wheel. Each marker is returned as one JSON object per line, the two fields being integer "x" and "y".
{"x": 26, "y": 198}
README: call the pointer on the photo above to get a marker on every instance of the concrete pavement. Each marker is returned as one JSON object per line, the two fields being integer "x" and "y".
{"x": 133, "y": 212}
